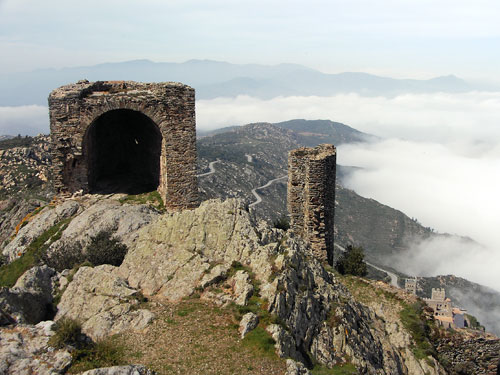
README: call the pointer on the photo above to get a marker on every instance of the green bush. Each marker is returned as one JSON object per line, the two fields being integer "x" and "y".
{"x": 67, "y": 332}
{"x": 103, "y": 353}
{"x": 413, "y": 320}
{"x": 103, "y": 249}
{"x": 64, "y": 258}
{"x": 9, "y": 273}
{"x": 282, "y": 223}
{"x": 352, "y": 262}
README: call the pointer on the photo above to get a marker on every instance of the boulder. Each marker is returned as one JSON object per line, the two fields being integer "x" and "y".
{"x": 40, "y": 223}
{"x": 25, "y": 350}
{"x": 30, "y": 300}
{"x": 295, "y": 368}
{"x": 248, "y": 322}
{"x": 103, "y": 302}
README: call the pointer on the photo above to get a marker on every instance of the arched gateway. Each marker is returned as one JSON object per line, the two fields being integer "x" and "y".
{"x": 125, "y": 137}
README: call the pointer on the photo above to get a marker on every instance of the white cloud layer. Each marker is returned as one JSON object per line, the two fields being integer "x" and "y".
{"x": 439, "y": 162}
{"x": 24, "y": 120}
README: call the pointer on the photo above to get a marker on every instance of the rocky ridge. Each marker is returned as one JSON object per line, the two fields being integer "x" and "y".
{"x": 219, "y": 252}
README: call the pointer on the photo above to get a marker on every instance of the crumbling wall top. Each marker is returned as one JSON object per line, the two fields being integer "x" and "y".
{"x": 84, "y": 88}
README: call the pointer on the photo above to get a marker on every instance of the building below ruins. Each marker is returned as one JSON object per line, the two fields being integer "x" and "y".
{"x": 411, "y": 286}
{"x": 445, "y": 314}
{"x": 123, "y": 136}
{"x": 311, "y": 197}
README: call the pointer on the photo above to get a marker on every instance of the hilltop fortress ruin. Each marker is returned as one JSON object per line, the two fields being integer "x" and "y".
{"x": 123, "y": 136}
{"x": 130, "y": 137}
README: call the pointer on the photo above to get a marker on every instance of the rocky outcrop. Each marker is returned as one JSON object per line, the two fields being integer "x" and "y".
{"x": 323, "y": 319}
{"x": 180, "y": 249}
{"x": 103, "y": 302}
{"x": 41, "y": 222}
{"x": 106, "y": 215}
{"x": 248, "y": 322}
{"x": 30, "y": 300}
{"x": 25, "y": 350}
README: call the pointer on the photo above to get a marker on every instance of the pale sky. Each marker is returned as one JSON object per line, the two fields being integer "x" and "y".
{"x": 397, "y": 38}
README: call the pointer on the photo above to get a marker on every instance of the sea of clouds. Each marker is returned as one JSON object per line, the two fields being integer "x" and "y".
{"x": 437, "y": 160}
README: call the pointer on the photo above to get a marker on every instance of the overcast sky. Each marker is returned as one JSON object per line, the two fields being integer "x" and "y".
{"x": 398, "y": 38}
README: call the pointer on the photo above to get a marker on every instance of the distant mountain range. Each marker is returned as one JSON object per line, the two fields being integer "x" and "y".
{"x": 213, "y": 79}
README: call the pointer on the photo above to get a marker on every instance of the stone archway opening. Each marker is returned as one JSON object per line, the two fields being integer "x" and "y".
{"x": 123, "y": 149}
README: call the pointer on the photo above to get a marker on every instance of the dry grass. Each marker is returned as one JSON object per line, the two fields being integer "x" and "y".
{"x": 196, "y": 337}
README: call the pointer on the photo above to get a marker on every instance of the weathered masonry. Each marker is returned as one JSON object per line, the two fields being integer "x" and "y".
{"x": 311, "y": 197}
{"x": 123, "y": 136}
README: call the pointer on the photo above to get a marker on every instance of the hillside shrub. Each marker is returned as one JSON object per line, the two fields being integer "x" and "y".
{"x": 67, "y": 332}
{"x": 102, "y": 353}
{"x": 65, "y": 257}
{"x": 103, "y": 249}
{"x": 282, "y": 223}
{"x": 352, "y": 262}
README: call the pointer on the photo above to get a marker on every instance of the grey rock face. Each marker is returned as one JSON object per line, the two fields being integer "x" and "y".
{"x": 106, "y": 214}
{"x": 37, "y": 226}
{"x": 248, "y": 323}
{"x": 243, "y": 288}
{"x": 29, "y": 301}
{"x": 25, "y": 350}
{"x": 181, "y": 248}
{"x": 295, "y": 368}
{"x": 103, "y": 302}
{"x": 38, "y": 280}
{"x": 324, "y": 320}
{"x": 120, "y": 370}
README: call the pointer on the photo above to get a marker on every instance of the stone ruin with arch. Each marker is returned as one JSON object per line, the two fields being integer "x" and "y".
{"x": 127, "y": 137}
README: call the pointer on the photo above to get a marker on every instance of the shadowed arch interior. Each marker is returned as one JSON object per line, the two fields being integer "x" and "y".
{"x": 123, "y": 149}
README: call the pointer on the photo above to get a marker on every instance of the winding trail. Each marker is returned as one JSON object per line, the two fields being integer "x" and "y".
{"x": 212, "y": 169}
{"x": 257, "y": 196}
{"x": 393, "y": 276}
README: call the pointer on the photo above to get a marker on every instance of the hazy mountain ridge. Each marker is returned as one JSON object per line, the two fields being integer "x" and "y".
{"x": 215, "y": 79}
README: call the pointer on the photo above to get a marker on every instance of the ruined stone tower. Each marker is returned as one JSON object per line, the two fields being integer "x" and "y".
{"x": 123, "y": 136}
{"x": 311, "y": 197}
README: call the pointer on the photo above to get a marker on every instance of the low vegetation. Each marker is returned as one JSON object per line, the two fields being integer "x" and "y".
{"x": 86, "y": 353}
{"x": 9, "y": 273}
{"x": 413, "y": 319}
{"x": 195, "y": 336}
{"x": 152, "y": 198}
{"x": 282, "y": 223}
{"x": 102, "y": 249}
{"x": 352, "y": 262}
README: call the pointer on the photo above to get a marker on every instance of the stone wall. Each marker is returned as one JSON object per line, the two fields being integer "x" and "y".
{"x": 311, "y": 197}
{"x": 167, "y": 110}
